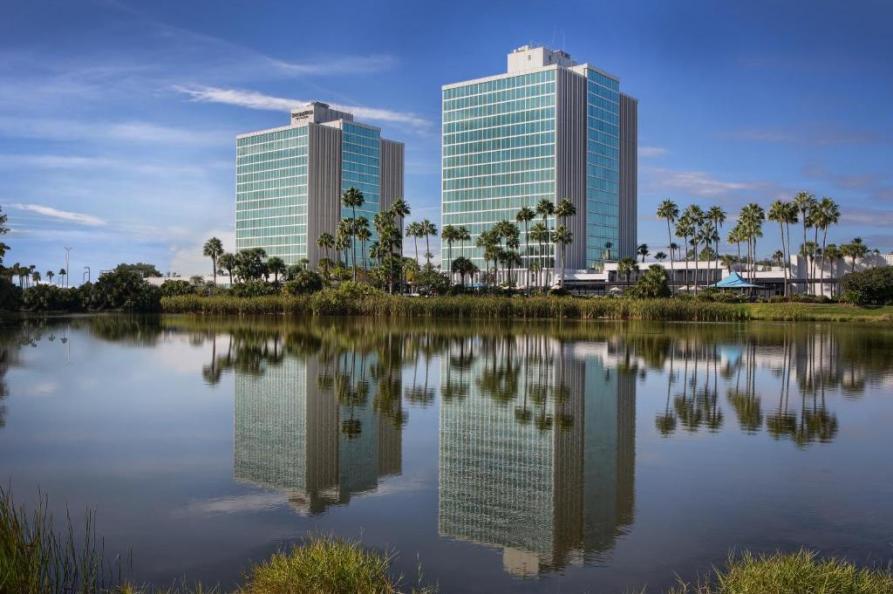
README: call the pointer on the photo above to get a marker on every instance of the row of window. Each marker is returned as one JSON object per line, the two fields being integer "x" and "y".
{"x": 265, "y": 137}
{"x": 501, "y": 132}
{"x": 494, "y": 121}
{"x": 499, "y": 84}
{"x": 291, "y": 153}
{"x": 292, "y": 221}
{"x": 526, "y": 152}
{"x": 500, "y": 191}
{"x": 280, "y": 202}
{"x": 291, "y": 187}
{"x": 483, "y": 146}
{"x": 502, "y": 107}
{"x": 505, "y": 179}
{"x": 276, "y": 145}
{"x": 270, "y": 237}
{"x": 478, "y": 211}
{"x": 497, "y": 168}
{"x": 272, "y": 212}
{"x": 500, "y": 96}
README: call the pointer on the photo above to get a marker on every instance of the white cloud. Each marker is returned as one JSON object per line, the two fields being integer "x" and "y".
{"x": 337, "y": 65}
{"x": 697, "y": 183}
{"x": 652, "y": 151}
{"x": 61, "y": 215}
{"x": 133, "y": 131}
{"x": 256, "y": 100}
{"x": 187, "y": 259}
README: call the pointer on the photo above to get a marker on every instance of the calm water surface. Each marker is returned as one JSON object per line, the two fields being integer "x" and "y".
{"x": 601, "y": 457}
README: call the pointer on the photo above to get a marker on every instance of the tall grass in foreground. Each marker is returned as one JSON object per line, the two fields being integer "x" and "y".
{"x": 325, "y": 566}
{"x": 795, "y": 573}
{"x": 35, "y": 559}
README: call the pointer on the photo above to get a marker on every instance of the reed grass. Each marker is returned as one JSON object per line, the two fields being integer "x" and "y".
{"x": 330, "y": 302}
{"x": 793, "y": 573}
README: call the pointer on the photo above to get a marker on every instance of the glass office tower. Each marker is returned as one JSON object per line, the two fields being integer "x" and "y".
{"x": 547, "y": 129}
{"x": 289, "y": 180}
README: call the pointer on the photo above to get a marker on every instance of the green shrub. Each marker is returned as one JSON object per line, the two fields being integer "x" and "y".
{"x": 870, "y": 287}
{"x": 652, "y": 285}
{"x": 173, "y": 287}
{"x": 120, "y": 289}
{"x": 50, "y": 298}
{"x": 253, "y": 288}
{"x": 797, "y": 573}
{"x": 303, "y": 282}
{"x": 10, "y": 294}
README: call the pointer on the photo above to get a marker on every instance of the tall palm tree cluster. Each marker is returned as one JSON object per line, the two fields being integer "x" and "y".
{"x": 700, "y": 234}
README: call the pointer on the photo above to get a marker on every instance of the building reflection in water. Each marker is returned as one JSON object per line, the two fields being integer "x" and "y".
{"x": 307, "y": 426}
{"x": 537, "y": 453}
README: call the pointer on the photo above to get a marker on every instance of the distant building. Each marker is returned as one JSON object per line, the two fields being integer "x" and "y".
{"x": 289, "y": 180}
{"x": 548, "y": 128}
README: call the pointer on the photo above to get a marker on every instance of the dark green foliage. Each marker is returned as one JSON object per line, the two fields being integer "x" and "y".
{"x": 124, "y": 288}
{"x": 652, "y": 285}
{"x": 871, "y": 287}
{"x": 144, "y": 270}
{"x": 50, "y": 298}
{"x": 10, "y": 295}
{"x": 174, "y": 287}
{"x": 254, "y": 288}
{"x": 431, "y": 282}
{"x": 303, "y": 282}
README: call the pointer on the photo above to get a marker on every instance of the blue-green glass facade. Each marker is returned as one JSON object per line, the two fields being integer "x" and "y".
{"x": 361, "y": 169}
{"x": 271, "y": 192}
{"x": 602, "y": 166}
{"x": 498, "y": 153}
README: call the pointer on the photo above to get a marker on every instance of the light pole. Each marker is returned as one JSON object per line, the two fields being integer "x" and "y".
{"x": 67, "y": 254}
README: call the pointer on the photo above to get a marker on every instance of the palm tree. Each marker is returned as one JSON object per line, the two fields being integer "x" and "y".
{"x": 564, "y": 210}
{"x": 642, "y": 250}
{"x": 353, "y": 199}
{"x": 684, "y": 229}
{"x": 414, "y": 230}
{"x": 343, "y": 239}
{"x": 827, "y": 213}
{"x": 326, "y": 241}
{"x": 449, "y": 234}
{"x": 427, "y": 230}
{"x": 35, "y": 276}
{"x": 717, "y": 216}
{"x": 669, "y": 211}
{"x": 751, "y": 221}
{"x": 695, "y": 214}
{"x": 540, "y": 234}
{"x": 805, "y": 203}
{"x": 660, "y": 256}
{"x": 833, "y": 254}
{"x": 562, "y": 237}
{"x": 855, "y": 249}
{"x": 227, "y": 262}
{"x": 276, "y": 266}
{"x": 463, "y": 267}
{"x": 50, "y": 275}
{"x": 525, "y": 215}
{"x": 364, "y": 235}
{"x": 608, "y": 246}
{"x": 545, "y": 208}
{"x": 782, "y": 213}
{"x": 64, "y": 275}
{"x": 626, "y": 266}
{"x": 213, "y": 248}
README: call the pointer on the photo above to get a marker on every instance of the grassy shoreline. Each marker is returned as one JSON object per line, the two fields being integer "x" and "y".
{"x": 333, "y": 302}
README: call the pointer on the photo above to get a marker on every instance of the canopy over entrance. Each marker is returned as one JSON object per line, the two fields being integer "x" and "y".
{"x": 736, "y": 281}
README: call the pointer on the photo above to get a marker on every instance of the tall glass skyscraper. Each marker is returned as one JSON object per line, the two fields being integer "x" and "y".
{"x": 289, "y": 180}
{"x": 549, "y": 129}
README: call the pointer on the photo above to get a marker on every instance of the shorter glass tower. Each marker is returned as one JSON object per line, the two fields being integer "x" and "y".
{"x": 289, "y": 180}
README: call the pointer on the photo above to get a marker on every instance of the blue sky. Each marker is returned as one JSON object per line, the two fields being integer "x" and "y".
{"x": 117, "y": 118}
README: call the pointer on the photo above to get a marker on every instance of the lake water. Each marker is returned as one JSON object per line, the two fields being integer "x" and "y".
{"x": 600, "y": 457}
